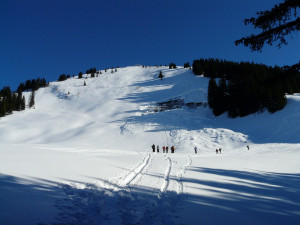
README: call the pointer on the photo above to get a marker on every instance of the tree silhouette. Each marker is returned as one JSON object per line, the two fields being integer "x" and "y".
{"x": 212, "y": 93}
{"x": 274, "y": 24}
{"x": 172, "y": 65}
{"x": 160, "y": 76}
{"x": 31, "y": 100}
{"x": 186, "y": 65}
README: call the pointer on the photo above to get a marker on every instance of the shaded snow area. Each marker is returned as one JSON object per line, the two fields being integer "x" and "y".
{"x": 83, "y": 155}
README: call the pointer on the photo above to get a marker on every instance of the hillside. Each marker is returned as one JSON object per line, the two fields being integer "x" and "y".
{"x": 83, "y": 155}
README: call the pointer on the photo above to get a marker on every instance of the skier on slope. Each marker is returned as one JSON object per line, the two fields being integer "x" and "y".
{"x": 217, "y": 151}
{"x": 157, "y": 148}
{"x": 153, "y": 148}
{"x": 195, "y": 150}
{"x": 167, "y": 148}
{"x": 164, "y": 149}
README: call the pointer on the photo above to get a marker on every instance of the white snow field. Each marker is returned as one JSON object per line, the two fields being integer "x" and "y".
{"x": 83, "y": 156}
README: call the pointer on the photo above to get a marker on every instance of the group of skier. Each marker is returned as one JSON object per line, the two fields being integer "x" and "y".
{"x": 164, "y": 148}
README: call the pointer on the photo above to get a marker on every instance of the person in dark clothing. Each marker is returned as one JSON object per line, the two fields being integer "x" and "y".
{"x": 167, "y": 148}
{"x": 164, "y": 149}
{"x": 217, "y": 151}
{"x": 195, "y": 150}
{"x": 248, "y": 147}
{"x": 153, "y": 147}
{"x": 172, "y": 149}
{"x": 157, "y": 148}
{"x": 220, "y": 150}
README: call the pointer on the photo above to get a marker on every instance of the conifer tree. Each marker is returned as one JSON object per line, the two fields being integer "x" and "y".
{"x": 31, "y": 99}
{"x": 160, "y": 76}
{"x": 221, "y": 103}
{"x": 27, "y": 85}
{"x": 21, "y": 87}
{"x": 187, "y": 65}
{"x": 197, "y": 67}
{"x": 14, "y": 105}
{"x": 172, "y": 65}
{"x": 212, "y": 94}
{"x": 277, "y": 100}
{"x": 3, "y": 109}
{"x": 61, "y": 78}
{"x": 275, "y": 24}
{"x": 23, "y": 103}
{"x": 19, "y": 101}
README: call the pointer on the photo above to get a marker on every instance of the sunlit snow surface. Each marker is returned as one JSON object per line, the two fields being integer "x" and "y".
{"x": 83, "y": 156}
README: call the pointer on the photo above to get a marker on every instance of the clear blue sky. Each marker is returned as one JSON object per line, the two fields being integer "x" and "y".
{"x": 49, "y": 37}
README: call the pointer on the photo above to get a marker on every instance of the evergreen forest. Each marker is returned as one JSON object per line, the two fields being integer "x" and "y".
{"x": 14, "y": 101}
{"x": 244, "y": 88}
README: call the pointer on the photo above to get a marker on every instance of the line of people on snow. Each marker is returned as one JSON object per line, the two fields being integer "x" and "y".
{"x": 164, "y": 148}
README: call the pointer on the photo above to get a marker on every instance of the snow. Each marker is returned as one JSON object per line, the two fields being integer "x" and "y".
{"x": 83, "y": 156}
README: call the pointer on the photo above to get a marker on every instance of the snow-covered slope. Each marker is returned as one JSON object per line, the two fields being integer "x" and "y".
{"x": 83, "y": 156}
{"x": 111, "y": 111}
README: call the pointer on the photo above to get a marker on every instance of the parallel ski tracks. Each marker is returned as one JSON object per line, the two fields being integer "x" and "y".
{"x": 129, "y": 178}
{"x": 165, "y": 203}
{"x": 126, "y": 200}
{"x": 118, "y": 201}
{"x": 100, "y": 203}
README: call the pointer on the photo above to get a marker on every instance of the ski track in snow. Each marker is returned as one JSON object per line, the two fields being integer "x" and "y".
{"x": 123, "y": 212}
{"x": 131, "y": 203}
{"x": 180, "y": 174}
{"x": 127, "y": 202}
{"x": 166, "y": 177}
{"x": 157, "y": 212}
{"x": 104, "y": 204}
{"x": 127, "y": 179}
{"x": 135, "y": 208}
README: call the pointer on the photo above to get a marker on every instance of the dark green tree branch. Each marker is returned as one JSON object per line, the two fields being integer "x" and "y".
{"x": 275, "y": 24}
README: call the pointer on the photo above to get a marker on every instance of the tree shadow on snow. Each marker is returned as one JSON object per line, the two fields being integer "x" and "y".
{"x": 234, "y": 197}
{"x": 240, "y": 197}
